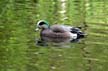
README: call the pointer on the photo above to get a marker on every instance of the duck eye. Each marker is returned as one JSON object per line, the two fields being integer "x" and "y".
{"x": 41, "y": 23}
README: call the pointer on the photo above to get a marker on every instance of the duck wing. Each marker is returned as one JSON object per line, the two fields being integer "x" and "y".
{"x": 49, "y": 35}
{"x": 65, "y": 28}
{"x": 61, "y": 28}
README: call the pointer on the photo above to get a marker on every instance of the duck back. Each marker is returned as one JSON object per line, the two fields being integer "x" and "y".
{"x": 60, "y": 28}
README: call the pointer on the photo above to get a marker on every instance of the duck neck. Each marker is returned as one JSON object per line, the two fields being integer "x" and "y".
{"x": 45, "y": 28}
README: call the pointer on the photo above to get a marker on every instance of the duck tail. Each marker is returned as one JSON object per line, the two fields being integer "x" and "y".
{"x": 77, "y": 30}
{"x": 80, "y": 35}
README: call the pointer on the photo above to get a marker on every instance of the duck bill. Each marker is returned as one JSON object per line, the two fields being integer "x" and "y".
{"x": 36, "y": 29}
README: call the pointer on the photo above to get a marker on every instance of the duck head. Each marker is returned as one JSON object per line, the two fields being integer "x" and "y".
{"x": 42, "y": 24}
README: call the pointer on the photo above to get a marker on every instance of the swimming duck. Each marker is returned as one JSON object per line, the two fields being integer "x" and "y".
{"x": 59, "y": 33}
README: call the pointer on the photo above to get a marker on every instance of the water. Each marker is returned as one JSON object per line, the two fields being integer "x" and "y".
{"x": 19, "y": 52}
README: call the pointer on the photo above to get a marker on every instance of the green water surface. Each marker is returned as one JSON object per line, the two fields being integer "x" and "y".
{"x": 18, "y": 49}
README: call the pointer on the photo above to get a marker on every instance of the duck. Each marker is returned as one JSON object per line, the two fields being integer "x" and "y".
{"x": 58, "y": 33}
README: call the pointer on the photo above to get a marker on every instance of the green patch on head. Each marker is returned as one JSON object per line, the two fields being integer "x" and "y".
{"x": 46, "y": 22}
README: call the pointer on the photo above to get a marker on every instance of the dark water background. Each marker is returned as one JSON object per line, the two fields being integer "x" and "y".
{"x": 19, "y": 52}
